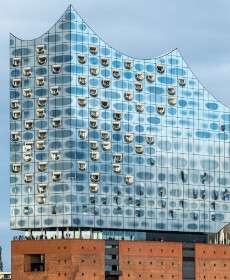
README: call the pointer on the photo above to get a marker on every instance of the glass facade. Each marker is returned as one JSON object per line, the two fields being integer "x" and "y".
{"x": 103, "y": 140}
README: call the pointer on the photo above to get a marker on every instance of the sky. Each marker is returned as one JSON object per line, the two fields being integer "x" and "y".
{"x": 140, "y": 28}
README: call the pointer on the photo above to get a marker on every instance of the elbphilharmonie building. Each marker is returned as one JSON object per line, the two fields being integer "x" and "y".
{"x": 121, "y": 147}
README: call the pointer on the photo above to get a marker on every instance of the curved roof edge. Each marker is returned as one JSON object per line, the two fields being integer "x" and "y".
{"x": 71, "y": 8}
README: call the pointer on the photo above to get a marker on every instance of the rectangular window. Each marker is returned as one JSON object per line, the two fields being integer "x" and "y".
{"x": 34, "y": 263}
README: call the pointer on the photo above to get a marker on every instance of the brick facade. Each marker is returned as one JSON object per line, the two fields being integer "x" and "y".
{"x": 212, "y": 262}
{"x": 85, "y": 260}
{"x": 150, "y": 260}
{"x": 64, "y": 259}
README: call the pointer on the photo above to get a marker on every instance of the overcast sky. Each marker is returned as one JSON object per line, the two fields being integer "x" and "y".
{"x": 141, "y": 28}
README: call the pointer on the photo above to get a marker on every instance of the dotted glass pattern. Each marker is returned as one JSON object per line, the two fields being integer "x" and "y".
{"x": 103, "y": 140}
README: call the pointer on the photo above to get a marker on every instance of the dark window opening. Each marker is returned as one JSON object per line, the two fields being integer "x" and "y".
{"x": 114, "y": 268}
{"x": 35, "y": 263}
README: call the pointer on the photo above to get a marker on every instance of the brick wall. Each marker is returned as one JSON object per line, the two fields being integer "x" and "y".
{"x": 150, "y": 260}
{"x": 212, "y": 262}
{"x": 138, "y": 260}
{"x": 64, "y": 259}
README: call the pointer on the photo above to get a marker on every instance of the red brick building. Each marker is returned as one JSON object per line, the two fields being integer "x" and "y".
{"x": 86, "y": 259}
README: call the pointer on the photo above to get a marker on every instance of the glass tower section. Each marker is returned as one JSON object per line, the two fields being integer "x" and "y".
{"x": 99, "y": 139}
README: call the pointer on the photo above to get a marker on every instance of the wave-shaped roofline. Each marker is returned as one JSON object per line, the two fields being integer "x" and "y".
{"x": 71, "y": 8}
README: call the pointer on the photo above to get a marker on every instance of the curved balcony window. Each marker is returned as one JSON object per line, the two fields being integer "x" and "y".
{"x": 15, "y": 136}
{"x": 128, "y": 95}
{"x": 116, "y": 125}
{"x": 195, "y": 193}
{"x": 27, "y": 92}
{"x": 42, "y": 166}
{"x": 150, "y": 77}
{"x": 116, "y": 168}
{"x": 93, "y": 123}
{"x": 93, "y": 187}
{"x": 139, "y": 149}
{"x": 82, "y": 80}
{"x": 138, "y": 86}
{"x": 29, "y": 145}
{"x": 27, "y": 157}
{"x": 16, "y": 115}
{"x": 195, "y": 216}
{"x": 81, "y": 165}
{"x": 204, "y": 177}
{"x": 117, "y": 116}
{"x": 171, "y": 91}
{"x": 94, "y": 113}
{"x": 41, "y": 188}
{"x": 55, "y": 90}
{"x": 203, "y": 194}
{"x": 94, "y": 71}
{"x": 42, "y": 101}
{"x": 104, "y": 104}
{"x": 26, "y": 210}
{"x": 28, "y": 178}
{"x": 81, "y": 59}
{"x": 40, "y": 49}
{"x": 40, "y": 113}
{"x": 16, "y": 61}
{"x": 81, "y": 101}
{"x": 129, "y": 179}
{"x": 27, "y": 71}
{"x": 105, "y": 61}
{"x": 93, "y": 145}
{"x": 106, "y": 146}
{"x": 16, "y": 167}
{"x": 117, "y": 157}
{"x": 140, "y": 76}
{"x": 56, "y": 122}
{"x": 116, "y": 74}
{"x": 40, "y": 198}
{"x": 105, "y": 135}
{"x": 140, "y": 107}
{"x": 93, "y": 49}
{"x": 41, "y": 59}
{"x": 182, "y": 82}
{"x": 128, "y": 64}
{"x": 40, "y": 145}
{"x": 82, "y": 133}
{"x": 106, "y": 82}
{"x": 172, "y": 100}
{"x": 56, "y": 68}
{"x": 160, "y": 68}
{"x": 93, "y": 92}
{"x": 42, "y": 134}
{"x": 29, "y": 124}
{"x": 222, "y": 127}
{"x": 150, "y": 139}
{"x": 95, "y": 177}
{"x": 129, "y": 137}
{"x": 16, "y": 83}
{"x": 55, "y": 155}
{"x": 160, "y": 110}
{"x": 56, "y": 176}
{"x": 94, "y": 155}
{"x": 40, "y": 81}
{"x": 14, "y": 104}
